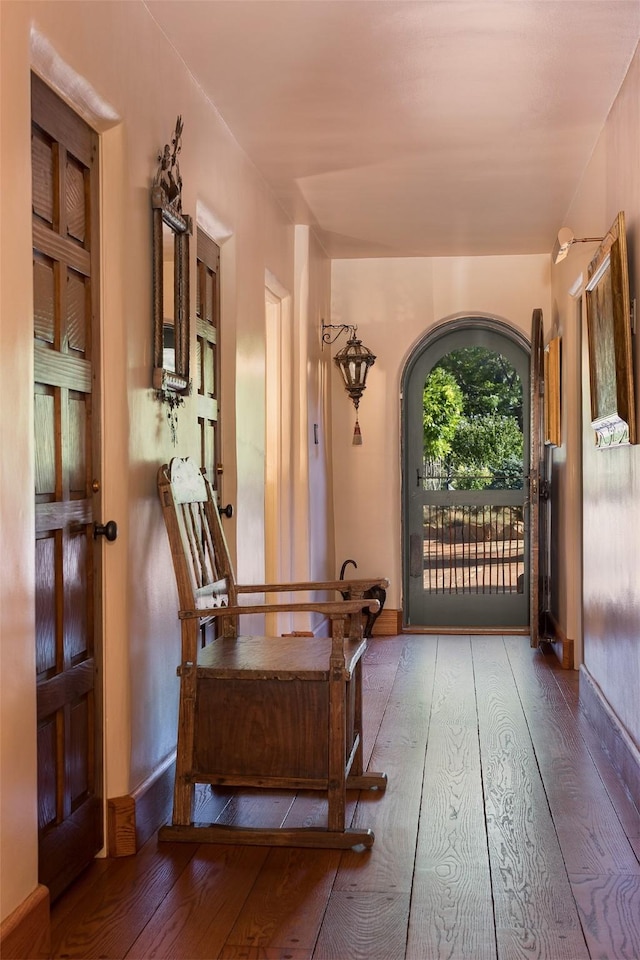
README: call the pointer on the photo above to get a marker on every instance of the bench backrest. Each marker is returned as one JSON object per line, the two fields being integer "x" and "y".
{"x": 203, "y": 569}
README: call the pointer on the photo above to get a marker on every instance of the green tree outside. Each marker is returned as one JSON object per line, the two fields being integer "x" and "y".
{"x": 473, "y": 419}
{"x": 442, "y": 407}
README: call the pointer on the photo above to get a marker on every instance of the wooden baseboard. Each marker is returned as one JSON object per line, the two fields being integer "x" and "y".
{"x": 133, "y": 818}
{"x": 561, "y": 644}
{"x": 623, "y": 753}
{"x": 121, "y": 826}
{"x": 468, "y": 631}
{"x": 26, "y": 933}
{"x": 388, "y": 624}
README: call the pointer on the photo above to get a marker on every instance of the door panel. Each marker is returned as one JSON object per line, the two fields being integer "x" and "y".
{"x": 536, "y": 472}
{"x": 207, "y": 375}
{"x": 466, "y": 550}
{"x": 67, "y": 475}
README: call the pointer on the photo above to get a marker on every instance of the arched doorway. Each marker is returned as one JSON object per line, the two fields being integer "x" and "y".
{"x": 466, "y": 522}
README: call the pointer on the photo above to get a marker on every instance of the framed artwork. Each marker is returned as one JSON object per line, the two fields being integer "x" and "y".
{"x": 609, "y": 333}
{"x": 552, "y": 391}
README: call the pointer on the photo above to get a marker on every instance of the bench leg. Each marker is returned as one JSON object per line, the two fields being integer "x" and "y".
{"x": 367, "y": 781}
{"x": 184, "y": 788}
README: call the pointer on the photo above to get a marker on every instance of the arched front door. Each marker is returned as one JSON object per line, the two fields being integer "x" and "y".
{"x": 466, "y": 516}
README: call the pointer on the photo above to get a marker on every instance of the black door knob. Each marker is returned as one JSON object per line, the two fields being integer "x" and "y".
{"x": 108, "y": 530}
{"x": 226, "y": 511}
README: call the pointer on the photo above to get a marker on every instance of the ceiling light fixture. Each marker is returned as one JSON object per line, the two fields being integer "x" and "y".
{"x": 353, "y": 362}
{"x": 564, "y": 240}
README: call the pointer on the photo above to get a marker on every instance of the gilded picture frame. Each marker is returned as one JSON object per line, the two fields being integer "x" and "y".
{"x": 171, "y": 307}
{"x": 552, "y": 392}
{"x": 609, "y": 336}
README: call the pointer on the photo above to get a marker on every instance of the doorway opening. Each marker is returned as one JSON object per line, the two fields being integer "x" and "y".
{"x": 466, "y": 416}
{"x": 278, "y": 499}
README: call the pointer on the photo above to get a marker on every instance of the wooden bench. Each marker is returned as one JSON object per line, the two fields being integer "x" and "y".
{"x": 261, "y": 712}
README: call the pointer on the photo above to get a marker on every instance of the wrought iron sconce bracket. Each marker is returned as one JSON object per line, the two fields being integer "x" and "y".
{"x": 328, "y": 337}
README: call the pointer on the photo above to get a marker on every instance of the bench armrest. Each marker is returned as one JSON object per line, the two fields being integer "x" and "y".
{"x": 313, "y": 586}
{"x": 336, "y": 609}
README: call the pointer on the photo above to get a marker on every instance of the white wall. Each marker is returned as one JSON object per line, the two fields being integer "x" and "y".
{"x": 394, "y": 303}
{"x": 611, "y": 478}
{"x": 116, "y": 68}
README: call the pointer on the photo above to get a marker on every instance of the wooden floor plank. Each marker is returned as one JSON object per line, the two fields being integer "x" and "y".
{"x": 210, "y": 802}
{"x": 487, "y": 753}
{"x": 287, "y": 903}
{"x": 385, "y": 650}
{"x": 380, "y": 668}
{"x": 535, "y": 913}
{"x": 451, "y": 903}
{"x": 262, "y": 953}
{"x": 73, "y": 900}
{"x": 120, "y": 904}
{"x": 610, "y": 912}
{"x": 627, "y": 811}
{"x": 377, "y": 683}
{"x": 364, "y": 926}
{"x": 256, "y": 808}
{"x": 590, "y": 834}
{"x": 400, "y": 752}
{"x": 196, "y": 915}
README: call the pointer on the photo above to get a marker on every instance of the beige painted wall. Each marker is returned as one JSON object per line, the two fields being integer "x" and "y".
{"x": 394, "y": 303}
{"x": 118, "y": 70}
{"x": 611, "y": 478}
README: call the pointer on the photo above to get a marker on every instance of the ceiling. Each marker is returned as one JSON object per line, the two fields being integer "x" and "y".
{"x": 413, "y": 127}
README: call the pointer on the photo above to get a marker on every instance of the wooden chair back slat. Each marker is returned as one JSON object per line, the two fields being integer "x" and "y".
{"x": 197, "y": 537}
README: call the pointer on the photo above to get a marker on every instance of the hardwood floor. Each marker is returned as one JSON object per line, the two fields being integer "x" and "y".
{"x": 504, "y": 833}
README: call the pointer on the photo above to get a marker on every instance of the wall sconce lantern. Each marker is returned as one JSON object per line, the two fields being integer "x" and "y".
{"x": 353, "y": 362}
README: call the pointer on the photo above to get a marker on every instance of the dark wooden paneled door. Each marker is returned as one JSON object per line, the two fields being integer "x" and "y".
{"x": 208, "y": 359}
{"x": 536, "y": 474}
{"x": 67, "y": 485}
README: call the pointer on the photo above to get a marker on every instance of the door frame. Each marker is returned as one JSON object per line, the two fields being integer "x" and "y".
{"x": 459, "y": 323}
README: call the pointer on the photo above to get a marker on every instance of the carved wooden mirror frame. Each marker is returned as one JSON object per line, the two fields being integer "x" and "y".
{"x": 171, "y": 232}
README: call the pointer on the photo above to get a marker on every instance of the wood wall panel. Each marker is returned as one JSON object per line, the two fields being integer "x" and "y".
{"x": 42, "y": 162}
{"x": 45, "y": 604}
{"x": 77, "y": 444}
{"x": 79, "y": 728}
{"x": 47, "y": 784}
{"x": 77, "y": 307}
{"x": 257, "y": 739}
{"x": 75, "y": 609}
{"x": 75, "y": 200}
{"x": 44, "y": 298}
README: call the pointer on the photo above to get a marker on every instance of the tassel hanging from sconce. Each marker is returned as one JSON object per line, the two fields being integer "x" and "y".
{"x": 353, "y": 362}
{"x": 357, "y": 435}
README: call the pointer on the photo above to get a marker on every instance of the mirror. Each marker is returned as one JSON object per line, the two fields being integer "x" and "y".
{"x": 171, "y": 232}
